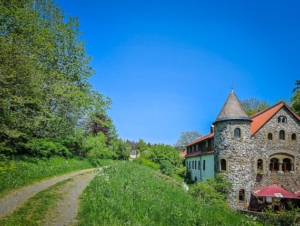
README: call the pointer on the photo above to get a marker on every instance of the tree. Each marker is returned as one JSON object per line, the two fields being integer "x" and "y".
{"x": 44, "y": 71}
{"x": 186, "y": 138}
{"x": 253, "y": 105}
{"x": 296, "y": 98}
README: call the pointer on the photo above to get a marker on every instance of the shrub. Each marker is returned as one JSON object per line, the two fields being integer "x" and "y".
{"x": 105, "y": 153}
{"x": 146, "y": 162}
{"x": 46, "y": 148}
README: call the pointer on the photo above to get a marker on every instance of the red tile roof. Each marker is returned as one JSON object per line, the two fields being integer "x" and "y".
{"x": 202, "y": 138}
{"x": 198, "y": 153}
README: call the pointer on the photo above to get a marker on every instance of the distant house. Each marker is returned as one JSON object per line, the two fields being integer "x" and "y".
{"x": 252, "y": 151}
{"x": 183, "y": 153}
{"x": 134, "y": 154}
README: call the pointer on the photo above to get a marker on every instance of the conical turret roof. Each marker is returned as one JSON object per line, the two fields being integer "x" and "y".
{"x": 232, "y": 110}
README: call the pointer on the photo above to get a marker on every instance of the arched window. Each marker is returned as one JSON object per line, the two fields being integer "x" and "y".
{"x": 203, "y": 164}
{"x": 270, "y": 136}
{"x": 274, "y": 165}
{"x": 223, "y": 164}
{"x": 282, "y": 119}
{"x": 259, "y": 164}
{"x": 281, "y": 135}
{"x": 195, "y": 179}
{"x": 237, "y": 133}
{"x": 294, "y": 136}
{"x": 286, "y": 165}
{"x": 241, "y": 195}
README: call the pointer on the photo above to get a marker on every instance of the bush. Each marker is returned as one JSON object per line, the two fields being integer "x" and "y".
{"x": 105, "y": 153}
{"x": 212, "y": 190}
{"x": 46, "y": 148}
{"x": 146, "y": 162}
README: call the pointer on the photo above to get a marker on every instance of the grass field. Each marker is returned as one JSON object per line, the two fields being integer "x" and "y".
{"x": 23, "y": 171}
{"x": 131, "y": 194}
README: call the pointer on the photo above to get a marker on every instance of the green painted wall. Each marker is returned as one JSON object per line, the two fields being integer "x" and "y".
{"x": 206, "y": 166}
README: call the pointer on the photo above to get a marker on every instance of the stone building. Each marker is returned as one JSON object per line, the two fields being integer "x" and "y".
{"x": 253, "y": 151}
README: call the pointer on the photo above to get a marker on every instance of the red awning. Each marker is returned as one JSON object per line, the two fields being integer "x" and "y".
{"x": 274, "y": 191}
{"x": 297, "y": 193}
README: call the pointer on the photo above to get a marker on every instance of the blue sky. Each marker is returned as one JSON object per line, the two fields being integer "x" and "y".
{"x": 168, "y": 66}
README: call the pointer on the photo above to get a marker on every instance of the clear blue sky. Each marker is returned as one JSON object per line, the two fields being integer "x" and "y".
{"x": 168, "y": 66}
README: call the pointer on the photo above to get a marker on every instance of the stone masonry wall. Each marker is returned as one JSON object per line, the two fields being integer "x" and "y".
{"x": 242, "y": 154}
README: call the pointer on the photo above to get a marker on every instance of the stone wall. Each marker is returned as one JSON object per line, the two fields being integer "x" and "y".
{"x": 242, "y": 154}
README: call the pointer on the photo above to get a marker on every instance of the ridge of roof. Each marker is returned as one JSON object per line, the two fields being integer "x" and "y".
{"x": 232, "y": 110}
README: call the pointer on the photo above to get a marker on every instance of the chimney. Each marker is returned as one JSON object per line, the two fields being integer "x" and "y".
{"x": 211, "y": 128}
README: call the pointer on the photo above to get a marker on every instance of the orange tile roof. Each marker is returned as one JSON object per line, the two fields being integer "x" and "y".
{"x": 260, "y": 118}
{"x": 202, "y": 138}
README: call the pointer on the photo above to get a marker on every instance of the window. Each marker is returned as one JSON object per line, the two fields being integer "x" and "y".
{"x": 286, "y": 165}
{"x": 281, "y": 135}
{"x": 282, "y": 119}
{"x": 294, "y": 136}
{"x": 274, "y": 165}
{"x": 270, "y": 136}
{"x": 189, "y": 164}
{"x": 241, "y": 195}
{"x": 192, "y": 164}
{"x": 195, "y": 179}
{"x": 259, "y": 165}
{"x": 237, "y": 133}
{"x": 223, "y": 165}
{"x": 199, "y": 166}
{"x": 203, "y": 164}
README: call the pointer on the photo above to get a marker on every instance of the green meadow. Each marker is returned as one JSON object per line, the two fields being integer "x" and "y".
{"x": 132, "y": 194}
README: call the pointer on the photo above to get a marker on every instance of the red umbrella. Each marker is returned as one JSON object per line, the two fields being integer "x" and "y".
{"x": 274, "y": 191}
{"x": 297, "y": 193}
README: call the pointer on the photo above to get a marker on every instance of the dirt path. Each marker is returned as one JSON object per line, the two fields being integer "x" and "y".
{"x": 66, "y": 209}
{"x": 12, "y": 201}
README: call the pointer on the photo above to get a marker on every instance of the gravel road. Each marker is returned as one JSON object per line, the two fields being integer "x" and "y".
{"x": 67, "y": 207}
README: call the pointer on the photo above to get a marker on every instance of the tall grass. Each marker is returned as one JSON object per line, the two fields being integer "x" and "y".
{"x": 23, "y": 171}
{"x": 131, "y": 194}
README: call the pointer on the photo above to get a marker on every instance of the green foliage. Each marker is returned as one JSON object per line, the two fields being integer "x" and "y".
{"x": 44, "y": 74}
{"x": 212, "y": 190}
{"x": 166, "y": 167}
{"x": 253, "y": 105}
{"x": 46, "y": 148}
{"x": 285, "y": 218}
{"x": 296, "y": 102}
{"x": 121, "y": 148}
{"x": 146, "y": 162}
{"x": 166, "y": 157}
{"x": 142, "y": 146}
{"x": 131, "y": 194}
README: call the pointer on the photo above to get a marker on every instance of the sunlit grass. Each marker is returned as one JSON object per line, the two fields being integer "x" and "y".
{"x": 131, "y": 194}
{"x": 17, "y": 173}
